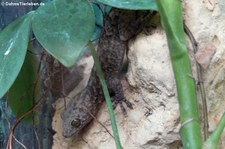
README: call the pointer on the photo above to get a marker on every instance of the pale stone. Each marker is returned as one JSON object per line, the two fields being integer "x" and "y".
{"x": 204, "y": 56}
{"x": 154, "y": 121}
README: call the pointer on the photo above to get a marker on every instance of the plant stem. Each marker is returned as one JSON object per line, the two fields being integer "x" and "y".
{"x": 106, "y": 94}
{"x": 212, "y": 141}
{"x": 171, "y": 18}
{"x": 200, "y": 85}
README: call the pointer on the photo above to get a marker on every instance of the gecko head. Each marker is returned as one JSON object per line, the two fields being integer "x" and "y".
{"x": 74, "y": 121}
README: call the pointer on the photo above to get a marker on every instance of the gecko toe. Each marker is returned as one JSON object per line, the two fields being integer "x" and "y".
{"x": 121, "y": 102}
{"x": 123, "y": 109}
{"x": 128, "y": 103}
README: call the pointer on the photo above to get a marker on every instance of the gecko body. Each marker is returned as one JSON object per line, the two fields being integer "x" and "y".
{"x": 119, "y": 27}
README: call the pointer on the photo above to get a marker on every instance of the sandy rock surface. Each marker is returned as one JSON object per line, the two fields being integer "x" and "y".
{"x": 150, "y": 86}
{"x": 154, "y": 121}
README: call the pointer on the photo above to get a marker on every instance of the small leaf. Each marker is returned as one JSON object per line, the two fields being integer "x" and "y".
{"x": 100, "y": 10}
{"x": 13, "y": 45}
{"x": 25, "y": 89}
{"x": 132, "y": 4}
{"x": 64, "y": 28}
{"x": 98, "y": 23}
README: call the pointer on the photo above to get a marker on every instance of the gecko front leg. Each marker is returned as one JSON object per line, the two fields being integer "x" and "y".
{"x": 117, "y": 95}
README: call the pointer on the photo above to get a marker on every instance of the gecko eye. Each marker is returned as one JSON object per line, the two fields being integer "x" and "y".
{"x": 75, "y": 123}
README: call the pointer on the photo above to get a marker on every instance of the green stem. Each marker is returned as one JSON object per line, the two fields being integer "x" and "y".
{"x": 171, "y": 18}
{"x": 212, "y": 141}
{"x": 106, "y": 94}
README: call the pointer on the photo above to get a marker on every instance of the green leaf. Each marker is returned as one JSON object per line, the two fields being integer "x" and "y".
{"x": 25, "y": 89}
{"x": 64, "y": 28}
{"x": 14, "y": 40}
{"x": 100, "y": 10}
{"x": 131, "y": 4}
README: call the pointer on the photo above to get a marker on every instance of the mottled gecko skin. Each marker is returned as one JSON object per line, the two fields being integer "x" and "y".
{"x": 76, "y": 114}
{"x": 120, "y": 25}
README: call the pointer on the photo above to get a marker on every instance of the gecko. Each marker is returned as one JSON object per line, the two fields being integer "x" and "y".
{"x": 119, "y": 26}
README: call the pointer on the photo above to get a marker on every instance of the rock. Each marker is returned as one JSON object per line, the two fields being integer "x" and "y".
{"x": 204, "y": 56}
{"x": 151, "y": 77}
{"x": 154, "y": 121}
{"x": 150, "y": 86}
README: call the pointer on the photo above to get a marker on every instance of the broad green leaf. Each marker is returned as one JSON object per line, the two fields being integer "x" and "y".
{"x": 64, "y": 28}
{"x": 131, "y": 4}
{"x": 13, "y": 45}
{"x": 26, "y": 88}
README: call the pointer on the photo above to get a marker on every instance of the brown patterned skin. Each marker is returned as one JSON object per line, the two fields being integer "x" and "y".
{"x": 120, "y": 25}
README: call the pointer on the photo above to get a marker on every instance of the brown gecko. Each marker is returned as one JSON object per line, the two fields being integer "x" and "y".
{"x": 119, "y": 27}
